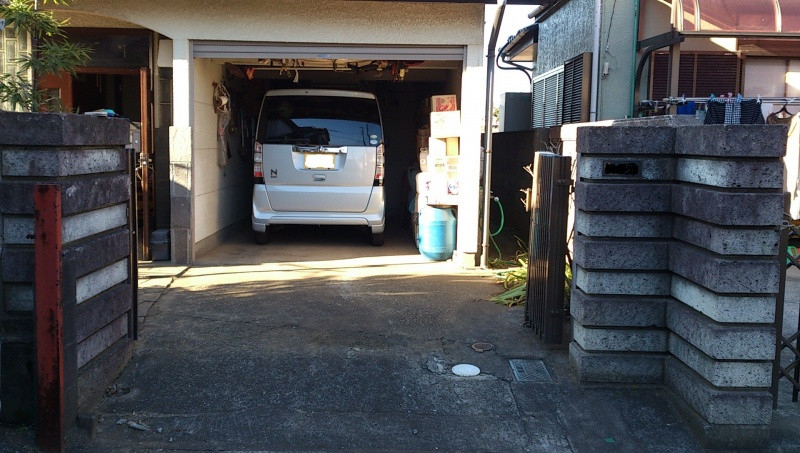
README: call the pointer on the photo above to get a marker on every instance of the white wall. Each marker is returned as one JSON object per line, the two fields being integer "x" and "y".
{"x": 297, "y": 20}
{"x": 221, "y": 194}
{"x": 778, "y": 77}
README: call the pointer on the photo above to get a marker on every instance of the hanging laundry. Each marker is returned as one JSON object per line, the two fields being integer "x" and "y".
{"x": 782, "y": 116}
{"x": 686, "y": 109}
{"x": 715, "y": 111}
{"x": 751, "y": 112}
{"x": 733, "y": 112}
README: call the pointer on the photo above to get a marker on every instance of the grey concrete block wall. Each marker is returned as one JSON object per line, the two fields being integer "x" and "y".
{"x": 180, "y": 190}
{"x": 87, "y": 158}
{"x": 676, "y": 270}
{"x": 621, "y": 279}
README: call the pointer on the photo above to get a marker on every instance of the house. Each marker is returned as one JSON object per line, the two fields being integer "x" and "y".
{"x": 157, "y": 63}
{"x": 599, "y": 60}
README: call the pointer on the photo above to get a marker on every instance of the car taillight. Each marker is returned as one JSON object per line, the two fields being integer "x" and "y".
{"x": 379, "y": 158}
{"x": 258, "y": 157}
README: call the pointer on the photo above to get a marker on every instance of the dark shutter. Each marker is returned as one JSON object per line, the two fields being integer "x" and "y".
{"x": 701, "y": 74}
{"x": 717, "y": 74}
{"x": 659, "y": 76}
{"x": 686, "y": 75}
{"x": 577, "y": 80}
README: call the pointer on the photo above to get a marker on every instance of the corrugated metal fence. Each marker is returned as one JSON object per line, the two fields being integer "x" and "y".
{"x": 545, "y": 308}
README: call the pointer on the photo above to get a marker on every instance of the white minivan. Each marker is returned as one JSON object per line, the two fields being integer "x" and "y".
{"x": 318, "y": 160}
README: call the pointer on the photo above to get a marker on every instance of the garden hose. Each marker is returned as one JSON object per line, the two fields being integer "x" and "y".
{"x": 502, "y": 217}
{"x": 499, "y": 259}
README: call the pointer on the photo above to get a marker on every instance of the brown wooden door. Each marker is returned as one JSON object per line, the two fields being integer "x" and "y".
{"x": 59, "y": 89}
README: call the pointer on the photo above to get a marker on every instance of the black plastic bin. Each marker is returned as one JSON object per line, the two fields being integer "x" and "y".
{"x": 159, "y": 245}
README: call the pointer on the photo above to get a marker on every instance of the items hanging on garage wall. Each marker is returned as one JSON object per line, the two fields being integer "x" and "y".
{"x": 222, "y": 107}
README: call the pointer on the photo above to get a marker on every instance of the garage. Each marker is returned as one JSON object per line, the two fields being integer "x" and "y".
{"x": 403, "y": 52}
{"x": 404, "y": 79}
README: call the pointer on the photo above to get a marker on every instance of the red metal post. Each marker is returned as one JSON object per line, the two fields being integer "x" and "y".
{"x": 48, "y": 317}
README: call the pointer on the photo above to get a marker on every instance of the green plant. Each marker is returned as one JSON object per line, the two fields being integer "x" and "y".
{"x": 51, "y": 54}
{"x": 515, "y": 281}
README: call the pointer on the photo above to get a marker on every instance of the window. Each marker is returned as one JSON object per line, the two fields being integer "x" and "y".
{"x": 561, "y": 96}
{"x": 547, "y": 97}
{"x": 577, "y": 81}
{"x": 321, "y": 120}
{"x": 749, "y": 17}
{"x": 12, "y": 46}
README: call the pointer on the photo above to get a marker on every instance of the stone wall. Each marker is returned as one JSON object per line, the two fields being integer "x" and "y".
{"x": 676, "y": 269}
{"x": 87, "y": 157}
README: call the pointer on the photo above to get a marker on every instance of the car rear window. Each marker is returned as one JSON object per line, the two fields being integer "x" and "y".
{"x": 320, "y": 120}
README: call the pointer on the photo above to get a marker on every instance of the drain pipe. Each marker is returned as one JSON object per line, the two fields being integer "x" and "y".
{"x": 598, "y": 16}
{"x": 487, "y": 136}
{"x": 636, "y": 9}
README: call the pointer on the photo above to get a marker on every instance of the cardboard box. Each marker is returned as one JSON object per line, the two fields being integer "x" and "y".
{"x": 443, "y": 146}
{"x": 444, "y": 103}
{"x": 451, "y": 146}
{"x": 434, "y": 189}
{"x": 437, "y": 147}
{"x": 437, "y": 164}
{"x": 451, "y": 174}
{"x": 446, "y": 124}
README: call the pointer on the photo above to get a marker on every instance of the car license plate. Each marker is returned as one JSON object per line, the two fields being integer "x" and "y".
{"x": 318, "y": 161}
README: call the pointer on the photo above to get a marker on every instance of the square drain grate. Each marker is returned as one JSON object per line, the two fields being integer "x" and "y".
{"x": 530, "y": 371}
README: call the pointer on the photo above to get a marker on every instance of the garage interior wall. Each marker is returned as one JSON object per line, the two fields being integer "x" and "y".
{"x": 221, "y": 193}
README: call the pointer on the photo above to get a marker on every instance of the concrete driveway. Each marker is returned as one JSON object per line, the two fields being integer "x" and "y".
{"x": 320, "y": 342}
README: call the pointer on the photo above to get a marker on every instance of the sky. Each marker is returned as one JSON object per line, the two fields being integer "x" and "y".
{"x": 515, "y": 17}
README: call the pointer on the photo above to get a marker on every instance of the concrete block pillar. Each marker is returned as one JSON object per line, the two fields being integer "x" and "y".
{"x": 728, "y": 206}
{"x": 623, "y": 232}
{"x": 180, "y": 153}
{"x": 86, "y": 156}
{"x": 676, "y": 269}
{"x": 473, "y": 86}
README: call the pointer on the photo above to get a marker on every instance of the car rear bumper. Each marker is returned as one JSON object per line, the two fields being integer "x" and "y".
{"x": 263, "y": 215}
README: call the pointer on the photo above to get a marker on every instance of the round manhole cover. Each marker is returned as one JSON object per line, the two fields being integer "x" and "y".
{"x": 482, "y": 346}
{"x": 466, "y": 370}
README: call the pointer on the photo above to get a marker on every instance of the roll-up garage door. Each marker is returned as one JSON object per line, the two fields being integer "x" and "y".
{"x": 241, "y": 49}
